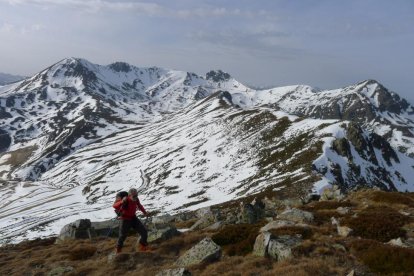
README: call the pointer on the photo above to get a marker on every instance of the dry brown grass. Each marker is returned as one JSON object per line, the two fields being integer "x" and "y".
{"x": 392, "y": 198}
{"x": 304, "y": 232}
{"x": 185, "y": 224}
{"x": 179, "y": 244}
{"x": 383, "y": 258}
{"x": 237, "y": 239}
{"x": 378, "y": 223}
{"x": 327, "y": 205}
{"x": 322, "y": 252}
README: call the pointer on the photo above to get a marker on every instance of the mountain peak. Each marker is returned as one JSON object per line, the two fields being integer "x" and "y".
{"x": 120, "y": 66}
{"x": 217, "y": 76}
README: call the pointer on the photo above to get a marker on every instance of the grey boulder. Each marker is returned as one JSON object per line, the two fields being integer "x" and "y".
{"x": 204, "y": 251}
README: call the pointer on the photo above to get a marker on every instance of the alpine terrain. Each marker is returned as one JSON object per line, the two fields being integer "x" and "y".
{"x": 76, "y": 133}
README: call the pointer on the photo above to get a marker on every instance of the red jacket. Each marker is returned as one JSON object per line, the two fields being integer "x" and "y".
{"x": 131, "y": 208}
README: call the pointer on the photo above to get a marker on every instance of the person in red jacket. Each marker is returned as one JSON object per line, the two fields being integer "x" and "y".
{"x": 127, "y": 208}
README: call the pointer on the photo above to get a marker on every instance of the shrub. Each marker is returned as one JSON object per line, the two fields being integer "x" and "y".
{"x": 384, "y": 258}
{"x": 237, "y": 239}
{"x": 382, "y": 224}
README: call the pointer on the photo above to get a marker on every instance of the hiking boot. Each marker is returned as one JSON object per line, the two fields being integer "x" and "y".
{"x": 118, "y": 250}
{"x": 144, "y": 248}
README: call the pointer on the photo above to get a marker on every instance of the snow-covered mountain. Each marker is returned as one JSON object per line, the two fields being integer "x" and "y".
{"x": 7, "y": 78}
{"x": 77, "y": 132}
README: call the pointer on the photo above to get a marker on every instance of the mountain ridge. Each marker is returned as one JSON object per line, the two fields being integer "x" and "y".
{"x": 78, "y": 132}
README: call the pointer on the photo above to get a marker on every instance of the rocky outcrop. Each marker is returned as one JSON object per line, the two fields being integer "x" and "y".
{"x": 296, "y": 215}
{"x": 261, "y": 244}
{"x": 276, "y": 224}
{"x": 80, "y": 229}
{"x": 280, "y": 248}
{"x": 276, "y": 247}
{"x": 204, "y": 251}
{"x": 332, "y": 193}
{"x": 162, "y": 234}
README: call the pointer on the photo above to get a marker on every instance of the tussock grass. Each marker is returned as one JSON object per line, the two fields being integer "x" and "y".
{"x": 378, "y": 223}
{"x": 382, "y": 258}
{"x": 237, "y": 240}
{"x": 304, "y": 232}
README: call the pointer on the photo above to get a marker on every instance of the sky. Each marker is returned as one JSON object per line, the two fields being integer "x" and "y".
{"x": 323, "y": 43}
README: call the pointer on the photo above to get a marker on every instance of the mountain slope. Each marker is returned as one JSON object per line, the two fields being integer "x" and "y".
{"x": 208, "y": 153}
{"x": 74, "y": 103}
{"x": 7, "y": 78}
{"x": 76, "y": 133}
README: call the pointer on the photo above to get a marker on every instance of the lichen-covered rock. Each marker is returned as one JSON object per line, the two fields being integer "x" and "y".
{"x": 276, "y": 224}
{"x": 61, "y": 270}
{"x": 332, "y": 193}
{"x": 174, "y": 272}
{"x": 252, "y": 212}
{"x": 202, "y": 223}
{"x": 280, "y": 248}
{"x": 80, "y": 229}
{"x": 106, "y": 228}
{"x": 162, "y": 234}
{"x": 204, "y": 251}
{"x": 344, "y": 231}
{"x": 296, "y": 215}
{"x": 261, "y": 244}
{"x": 161, "y": 221}
{"x": 343, "y": 210}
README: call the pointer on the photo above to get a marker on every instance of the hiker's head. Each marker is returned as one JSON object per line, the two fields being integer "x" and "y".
{"x": 133, "y": 193}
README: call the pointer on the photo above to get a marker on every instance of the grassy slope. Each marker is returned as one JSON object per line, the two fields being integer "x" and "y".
{"x": 322, "y": 252}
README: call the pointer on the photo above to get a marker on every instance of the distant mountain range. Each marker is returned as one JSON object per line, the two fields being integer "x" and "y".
{"x": 7, "y": 78}
{"x": 76, "y": 133}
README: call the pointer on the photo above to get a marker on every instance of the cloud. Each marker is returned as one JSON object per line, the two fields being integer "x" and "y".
{"x": 8, "y": 28}
{"x": 264, "y": 40}
{"x": 145, "y": 8}
{"x": 93, "y": 5}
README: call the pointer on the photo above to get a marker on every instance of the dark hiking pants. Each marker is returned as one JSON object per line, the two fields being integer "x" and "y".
{"x": 135, "y": 224}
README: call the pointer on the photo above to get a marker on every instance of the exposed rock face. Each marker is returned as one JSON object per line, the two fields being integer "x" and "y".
{"x": 205, "y": 251}
{"x": 296, "y": 215}
{"x": 206, "y": 217}
{"x": 217, "y": 76}
{"x": 280, "y": 248}
{"x": 276, "y": 224}
{"x": 332, "y": 193}
{"x": 162, "y": 234}
{"x": 261, "y": 244}
{"x": 106, "y": 228}
{"x": 80, "y": 229}
{"x": 252, "y": 212}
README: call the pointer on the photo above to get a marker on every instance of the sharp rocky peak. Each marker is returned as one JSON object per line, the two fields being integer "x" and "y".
{"x": 218, "y": 76}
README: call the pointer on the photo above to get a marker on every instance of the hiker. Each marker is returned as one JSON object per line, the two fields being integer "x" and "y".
{"x": 126, "y": 208}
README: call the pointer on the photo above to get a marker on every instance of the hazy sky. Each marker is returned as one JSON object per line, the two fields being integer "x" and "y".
{"x": 323, "y": 43}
